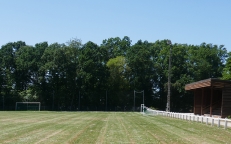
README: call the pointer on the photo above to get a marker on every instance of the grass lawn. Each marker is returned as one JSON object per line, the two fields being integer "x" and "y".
{"x": 104, "y": 127}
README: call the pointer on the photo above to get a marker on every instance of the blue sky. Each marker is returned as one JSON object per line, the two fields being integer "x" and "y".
{"x": 181, "y": 21}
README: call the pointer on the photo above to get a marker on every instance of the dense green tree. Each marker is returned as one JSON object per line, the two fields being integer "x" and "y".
{"x": 92, "y": 73}
{"x": 118, "y": 70}
{"x": 226, "y": 73}
{"x": 207, "y": 61}
{"x": 118, "y": 82}
{"x": 139, "y": 60}
{"x": 114, "y": 47}
{"x": 9, "y": 71}
{"x": 26, "y": 67}
{"x": 75, "y": 75}
{"x": 160, "y": 51}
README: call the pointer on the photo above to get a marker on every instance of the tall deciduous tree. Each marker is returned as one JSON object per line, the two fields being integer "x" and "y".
{"x": 9, "y": 71}
{"x": 92, "y": 74}
{"x": 118, "y": 82}
{"x": 114, "y": 47}
{"x": 139, "y": 60}
{"x": 226, "y": 73}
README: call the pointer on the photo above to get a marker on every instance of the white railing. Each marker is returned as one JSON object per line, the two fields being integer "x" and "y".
{"x": 219, "y": 122}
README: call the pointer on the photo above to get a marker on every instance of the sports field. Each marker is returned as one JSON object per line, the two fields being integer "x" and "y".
{"x": 104, "y": 127}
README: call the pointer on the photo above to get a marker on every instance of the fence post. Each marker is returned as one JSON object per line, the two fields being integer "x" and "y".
{"x": 225, "y": 124}
{"x": 212, "y": 122}
{"x": 206, "y": 120}
{"x": 201, "y": 119}
{"x": 218, "y": 124}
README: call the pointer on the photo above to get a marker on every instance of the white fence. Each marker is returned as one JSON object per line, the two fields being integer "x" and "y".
{"x": 219, "y": 122}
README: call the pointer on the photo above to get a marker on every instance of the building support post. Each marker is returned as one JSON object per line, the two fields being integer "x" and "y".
{"x": 194, "y": 108}
{"x": 211, "y": 102}
{"x": 202, "y": 101}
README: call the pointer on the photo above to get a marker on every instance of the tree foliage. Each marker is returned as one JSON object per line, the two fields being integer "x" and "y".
{"x": 87, "y": 76}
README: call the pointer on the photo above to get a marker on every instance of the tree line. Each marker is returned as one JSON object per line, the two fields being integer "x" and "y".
{"x": 77, "y": 76}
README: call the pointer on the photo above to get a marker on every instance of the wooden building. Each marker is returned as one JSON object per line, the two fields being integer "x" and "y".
{"x": 212, "y": 97}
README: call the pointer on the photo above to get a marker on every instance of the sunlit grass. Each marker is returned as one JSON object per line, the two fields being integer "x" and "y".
{"x": 104, "y": 127}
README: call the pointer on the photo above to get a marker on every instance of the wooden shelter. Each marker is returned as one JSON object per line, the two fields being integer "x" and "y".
{"x": 212, "y": 97}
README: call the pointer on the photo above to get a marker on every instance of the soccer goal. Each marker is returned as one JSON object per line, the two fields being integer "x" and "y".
{"x": 27, "y": 106}
{"x": 147, "y": 111}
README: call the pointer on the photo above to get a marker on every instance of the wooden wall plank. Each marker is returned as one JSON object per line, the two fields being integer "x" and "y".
{"x": 226, "y": 102}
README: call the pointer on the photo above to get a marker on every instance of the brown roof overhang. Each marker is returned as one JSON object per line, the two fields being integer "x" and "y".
{"x": 215, "y": 82}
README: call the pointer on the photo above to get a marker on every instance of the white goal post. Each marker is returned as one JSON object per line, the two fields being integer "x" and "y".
{"x": 142, "y": 108}
{"x": 28, "y": 106}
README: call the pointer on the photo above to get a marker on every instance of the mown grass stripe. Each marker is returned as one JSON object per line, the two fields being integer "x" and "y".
{"x": 103, "y": 127}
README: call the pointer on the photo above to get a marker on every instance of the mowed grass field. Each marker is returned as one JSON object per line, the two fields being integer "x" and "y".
{"x": 104, "y": 127}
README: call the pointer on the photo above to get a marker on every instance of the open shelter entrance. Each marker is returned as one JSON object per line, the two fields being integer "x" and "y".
{"x": 212, "y": 97}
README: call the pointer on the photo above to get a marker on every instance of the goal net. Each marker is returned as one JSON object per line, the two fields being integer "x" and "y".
{"x": 147, "y": 111}
{"x": 27, "y": 106}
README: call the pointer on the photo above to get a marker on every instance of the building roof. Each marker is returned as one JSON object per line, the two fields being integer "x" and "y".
{"x": 214, "y": 82}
